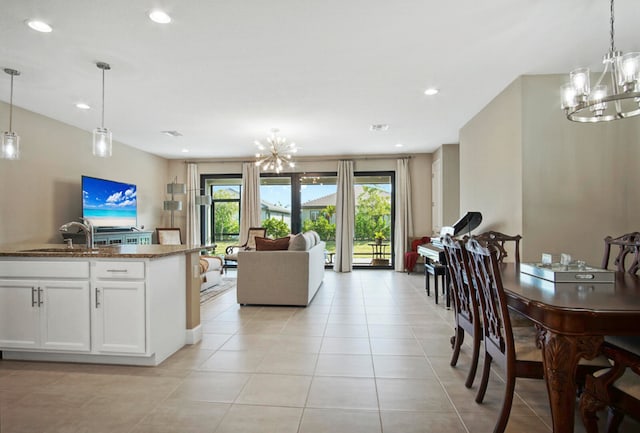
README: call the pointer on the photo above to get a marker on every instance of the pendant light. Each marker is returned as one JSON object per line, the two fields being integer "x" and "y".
{"x": 10, "y": 140}
{"x": 101, "y": 135}
{"x": 617, "y": 97}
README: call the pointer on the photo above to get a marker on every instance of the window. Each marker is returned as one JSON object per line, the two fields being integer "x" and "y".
{"x": 222, "y": 225}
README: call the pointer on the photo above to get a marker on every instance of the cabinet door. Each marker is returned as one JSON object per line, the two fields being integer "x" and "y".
{"x": 120, "y": 316}
{"x": 19, "y": 314}
{"x": 65, "y": 315}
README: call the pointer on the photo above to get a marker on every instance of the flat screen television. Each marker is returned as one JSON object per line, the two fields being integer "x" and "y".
{"x": 108, "y": 204}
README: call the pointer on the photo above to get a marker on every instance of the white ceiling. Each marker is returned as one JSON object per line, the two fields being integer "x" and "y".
{"x": 224, "y": 73}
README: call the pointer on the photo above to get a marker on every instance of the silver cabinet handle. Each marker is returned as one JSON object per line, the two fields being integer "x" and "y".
{"x": 124, "y": 271}
{"x": 40, "y": 300}
{"x": 33, "y": 297}
{"x": 97, "y": 300}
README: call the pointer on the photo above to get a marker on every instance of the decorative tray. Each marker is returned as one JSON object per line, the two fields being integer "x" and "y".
{"x": 559, "y": 273}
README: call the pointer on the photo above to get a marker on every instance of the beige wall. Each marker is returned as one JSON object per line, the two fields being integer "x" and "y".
{"x": 41, "y": 191}
{"x": 420, "y": 167}
{"x": 564, "y": 186}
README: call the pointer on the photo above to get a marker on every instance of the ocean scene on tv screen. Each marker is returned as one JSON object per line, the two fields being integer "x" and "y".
{"x": 108, "y": 203}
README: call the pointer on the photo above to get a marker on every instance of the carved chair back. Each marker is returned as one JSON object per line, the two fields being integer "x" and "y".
{"x": 498, "y": 240}
{"x": 628, "y": 257}
{"x": 498, "y": 334}
{"x": 465, "y": 303}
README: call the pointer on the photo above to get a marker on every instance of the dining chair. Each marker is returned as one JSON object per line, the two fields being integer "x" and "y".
{"x": 628, "y": 257}
{"x": 518, "y": 356}
{"x": 617, "y": 388}
{"x": 231, "y": 252}
{"x": 465, "y": 304}
{"x": 500, "y": 242}
{"x": 169, "y": 236}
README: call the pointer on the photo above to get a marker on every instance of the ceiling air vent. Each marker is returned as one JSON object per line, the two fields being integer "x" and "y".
{"x": 379, "y": 127}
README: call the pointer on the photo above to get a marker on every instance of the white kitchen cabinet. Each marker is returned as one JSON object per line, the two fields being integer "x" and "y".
{"x": 120, "y": 315}
{"x": 45, "y": 314}
{"x": 119, "y": 307}
{"x": 101, "y": 310}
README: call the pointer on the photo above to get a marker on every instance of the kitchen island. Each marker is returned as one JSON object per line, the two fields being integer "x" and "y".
{"x": 125, "y": 304}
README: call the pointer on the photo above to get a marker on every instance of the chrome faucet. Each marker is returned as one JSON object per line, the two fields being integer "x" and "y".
{"x": 84, "y": 226}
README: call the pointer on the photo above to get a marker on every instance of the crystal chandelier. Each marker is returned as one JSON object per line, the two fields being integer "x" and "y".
{"x": 603, "y": 102}
{"x": 101, "y": 135}
{"x": 276, "y": 153}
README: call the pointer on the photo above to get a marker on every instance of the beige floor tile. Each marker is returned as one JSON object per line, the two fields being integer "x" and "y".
{"x": 421, "y": 422}
{"x": 211, "y": 387}
{"x": 253, "y": 419}
{"x": 185, "y": 416}
{"x": 396, "y": 346}
{"x": 346, "y": 331}
{"x": 297, "y": 344}
{"x": 347, "y": 319}
{"x": 275, "y": 390}
{"x": 262, "y": 342}
{"x": 241, "y": 361}
{"x": 344, "y": 365}
{"x": 412, "y": 395}
{"x": 390, "y": 331}
{"x": 352, "y": 346}
{"x": 402, "y": 367}
{"x": 339, "y": 421}
{"x": 281, "y": 362}
{"x": 343, "y": 393}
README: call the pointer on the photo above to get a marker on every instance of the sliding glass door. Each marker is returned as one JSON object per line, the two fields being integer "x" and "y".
{"x": 297, "y": 202}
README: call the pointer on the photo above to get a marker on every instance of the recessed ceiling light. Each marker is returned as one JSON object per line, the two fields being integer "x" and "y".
{"x": 379, "y": 127}
{"x": 39, "y": 26}
{"x": 399, "y": 144}
{"x": 185, "y": 150}
{"x": 159, "y": 16}
{"x": 83, "y": 106}
{"x": 431, "y": 91}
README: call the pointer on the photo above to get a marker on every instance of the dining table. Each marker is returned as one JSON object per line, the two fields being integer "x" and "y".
{"x": 572, "y": 319}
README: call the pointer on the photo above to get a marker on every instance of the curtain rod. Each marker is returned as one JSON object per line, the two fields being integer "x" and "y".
{"x": 305, "y": 159}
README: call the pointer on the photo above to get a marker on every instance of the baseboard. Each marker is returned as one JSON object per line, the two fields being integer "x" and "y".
{"x": 193, "y": 335}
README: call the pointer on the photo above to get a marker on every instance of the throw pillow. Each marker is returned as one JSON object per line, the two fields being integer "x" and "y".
{"x": 266, "y": 244}
{"x": 298, "y": 243}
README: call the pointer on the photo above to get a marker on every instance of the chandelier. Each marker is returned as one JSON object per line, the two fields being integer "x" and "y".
{"x": 603, "y": 102}
{"x": 276, "y": 153}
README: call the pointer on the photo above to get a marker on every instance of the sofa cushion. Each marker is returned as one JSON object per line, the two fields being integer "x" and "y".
{"x": 316, "y": 237}
{"x": 298, "y": 243}
{"x": 266, "y": 244}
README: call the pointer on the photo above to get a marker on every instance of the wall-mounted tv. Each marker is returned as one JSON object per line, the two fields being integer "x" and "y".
{"x": 109, "y": 204}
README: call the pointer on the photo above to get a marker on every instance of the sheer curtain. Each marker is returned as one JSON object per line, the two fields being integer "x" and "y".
{"x": 193, "y": 228}
{"x": 403, "y": 221}
{"x": 249, "y": 199}
{"x": 345, "y": 218}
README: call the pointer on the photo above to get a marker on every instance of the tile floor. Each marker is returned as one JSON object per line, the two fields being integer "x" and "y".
{"x": 370, "y": 354}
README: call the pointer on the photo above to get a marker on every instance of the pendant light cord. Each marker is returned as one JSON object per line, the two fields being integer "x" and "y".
{"x": 612, "y": 33}
{"x": 11, "y": 105}
{"x": 102, "y": 123}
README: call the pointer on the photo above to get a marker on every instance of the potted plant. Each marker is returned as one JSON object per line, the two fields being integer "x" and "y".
{"x": 379, "y": 237}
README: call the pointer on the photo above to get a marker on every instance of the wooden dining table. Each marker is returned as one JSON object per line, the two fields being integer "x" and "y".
{"x": 572, "y": 320}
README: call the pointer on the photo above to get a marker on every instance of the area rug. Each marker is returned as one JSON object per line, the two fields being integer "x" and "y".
{"x": 217, "y": 290}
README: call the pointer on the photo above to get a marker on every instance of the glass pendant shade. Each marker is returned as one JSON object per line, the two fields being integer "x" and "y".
{"x": 102, "y": 143}
{"x": 10, "y": 146}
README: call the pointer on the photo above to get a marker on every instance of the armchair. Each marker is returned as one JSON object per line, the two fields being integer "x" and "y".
{"x": 231, "y": 252}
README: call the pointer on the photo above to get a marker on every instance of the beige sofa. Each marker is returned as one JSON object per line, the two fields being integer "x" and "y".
{"x": 280, "y": 277}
